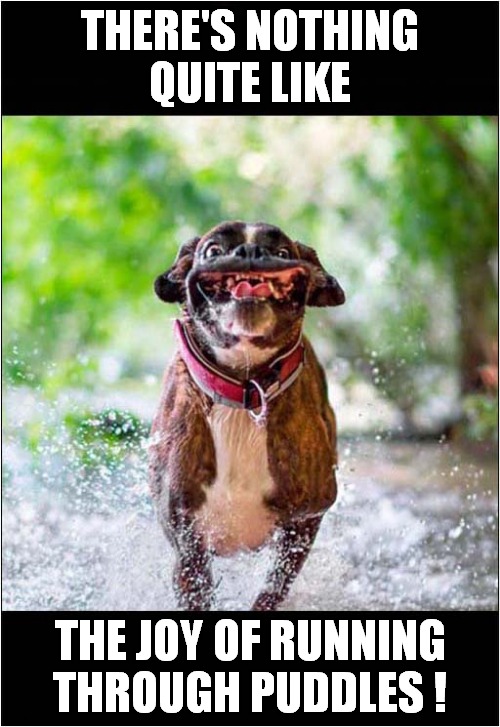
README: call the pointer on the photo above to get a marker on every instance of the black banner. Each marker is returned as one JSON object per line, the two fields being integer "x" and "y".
{"x": 222, "y": 58}
{"x": 359, "y": 668}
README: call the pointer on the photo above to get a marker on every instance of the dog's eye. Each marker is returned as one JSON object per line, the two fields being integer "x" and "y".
{"x": 213, "y": 251}
{"x": 283, "y": 252}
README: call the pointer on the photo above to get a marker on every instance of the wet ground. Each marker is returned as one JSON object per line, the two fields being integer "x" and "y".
{"x": 414, "y": 528}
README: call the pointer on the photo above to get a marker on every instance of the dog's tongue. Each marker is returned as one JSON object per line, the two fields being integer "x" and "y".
{"x": 245, "y": 290}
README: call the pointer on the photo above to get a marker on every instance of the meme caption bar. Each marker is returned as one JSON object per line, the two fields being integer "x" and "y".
{"x": 93, "y": 669}
{"x": 320, "y": 58}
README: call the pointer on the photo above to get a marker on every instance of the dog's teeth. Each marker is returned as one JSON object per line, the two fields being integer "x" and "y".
{"x": 230, "y": 283}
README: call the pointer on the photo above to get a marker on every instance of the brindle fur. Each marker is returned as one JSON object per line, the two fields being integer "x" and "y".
{"x": 301, "y": 443}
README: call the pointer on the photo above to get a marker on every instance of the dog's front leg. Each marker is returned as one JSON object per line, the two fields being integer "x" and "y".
{"x": 193, "y": 583}
{"x": 294, "y": 543}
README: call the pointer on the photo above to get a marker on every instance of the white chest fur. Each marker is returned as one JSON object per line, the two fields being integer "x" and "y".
{"x": 234, "y": 515}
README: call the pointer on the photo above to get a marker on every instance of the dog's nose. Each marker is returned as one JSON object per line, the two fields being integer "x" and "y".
{"x": 250, "y": 251}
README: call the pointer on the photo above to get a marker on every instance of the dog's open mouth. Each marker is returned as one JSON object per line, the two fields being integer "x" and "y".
{"x": 276, "y": 285}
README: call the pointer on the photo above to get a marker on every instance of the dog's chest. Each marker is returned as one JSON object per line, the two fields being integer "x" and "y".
{"x": 234, "y": 515}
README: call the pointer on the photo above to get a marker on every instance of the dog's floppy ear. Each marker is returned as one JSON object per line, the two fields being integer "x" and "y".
{"x": 324, "y": 288}
{"x": 170, "y": 286}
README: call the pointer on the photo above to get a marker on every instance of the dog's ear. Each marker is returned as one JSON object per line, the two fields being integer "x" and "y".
{"x": 324, "y": 289}
{"x": 170, "y": 286}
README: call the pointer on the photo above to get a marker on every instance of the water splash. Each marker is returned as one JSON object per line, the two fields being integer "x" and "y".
{"x": 414, "y": 528}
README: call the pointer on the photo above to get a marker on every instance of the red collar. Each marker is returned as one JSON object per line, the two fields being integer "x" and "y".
{"x": 253, "y": 393}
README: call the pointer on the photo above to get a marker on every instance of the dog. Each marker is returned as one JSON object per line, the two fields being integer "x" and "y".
{"x": 243, "y": 446}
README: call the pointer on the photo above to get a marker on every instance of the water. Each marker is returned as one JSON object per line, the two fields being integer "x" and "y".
{"x": 414, "y": 528}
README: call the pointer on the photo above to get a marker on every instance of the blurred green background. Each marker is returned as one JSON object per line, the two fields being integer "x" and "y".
{"x": 402, "y": 210}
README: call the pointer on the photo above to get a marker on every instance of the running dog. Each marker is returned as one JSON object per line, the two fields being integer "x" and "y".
{"x": 244, "y": 441}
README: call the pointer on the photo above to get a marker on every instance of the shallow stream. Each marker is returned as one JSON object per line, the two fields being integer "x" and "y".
{"x": 414, "y": 528}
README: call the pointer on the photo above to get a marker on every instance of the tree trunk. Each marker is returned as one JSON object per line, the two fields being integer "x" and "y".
{"x": 474, "y": 290}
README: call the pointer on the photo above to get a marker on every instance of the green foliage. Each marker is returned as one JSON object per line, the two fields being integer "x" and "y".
{"x": 92, "y": 212}
{"x": 444, "y": 200}
{"x": 445, "y": 207}
{"x": 401, "y": 210}
{"x": 105, "y": 437}
{"x": 481, "y": 416}
{"x": 94, "y": 209}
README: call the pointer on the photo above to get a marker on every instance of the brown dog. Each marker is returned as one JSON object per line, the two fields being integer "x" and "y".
{"x": 244, "y": 442}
